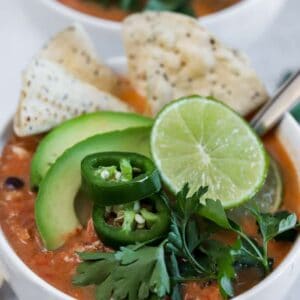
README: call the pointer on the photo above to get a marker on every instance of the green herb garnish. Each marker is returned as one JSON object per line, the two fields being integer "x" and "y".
{"x": 208, "y": 259}
{"x": 190, "y": 252}
{"x": 134, "y": 272}
{"x": 180, "y": 6}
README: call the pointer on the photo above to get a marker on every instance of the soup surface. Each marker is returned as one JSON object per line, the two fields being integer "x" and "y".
{"x": 18, "y": 223}
{"x": 201, "y": 8}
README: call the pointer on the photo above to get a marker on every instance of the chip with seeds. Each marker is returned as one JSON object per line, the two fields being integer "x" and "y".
{"x": 73, "y": 49}
{"x": 64, "y": 80}
{"x": 51, "y": 95}
{"x": 171, "y": 56}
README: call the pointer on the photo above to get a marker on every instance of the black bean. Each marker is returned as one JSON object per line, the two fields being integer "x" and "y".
{"x": 14, "y": 183}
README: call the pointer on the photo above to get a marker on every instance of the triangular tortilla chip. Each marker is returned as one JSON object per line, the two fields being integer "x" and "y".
{"x": 73, "y": 49}
{"x": 171, "y": 56}
{"x": 52, "y": 95}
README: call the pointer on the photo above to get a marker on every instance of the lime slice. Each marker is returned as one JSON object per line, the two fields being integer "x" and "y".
{"x": 268, "y": 199}
{"x": 202, "y": 142}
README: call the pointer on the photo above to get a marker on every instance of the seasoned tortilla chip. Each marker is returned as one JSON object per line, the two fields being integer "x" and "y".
{"x": 52, "y": 95}
{"x": 73, "y": 49}
{"x": 171, "y": 56}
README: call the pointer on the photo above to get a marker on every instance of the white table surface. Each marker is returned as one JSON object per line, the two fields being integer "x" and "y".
{"x": 275, "y": 53}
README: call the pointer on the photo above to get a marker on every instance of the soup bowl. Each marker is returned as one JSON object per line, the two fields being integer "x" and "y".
{"x": 28, "y": 286}
{"x": 238, "y": 25}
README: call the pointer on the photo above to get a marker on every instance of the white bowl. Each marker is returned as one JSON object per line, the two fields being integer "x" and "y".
{"x": 238, "y": 26}
{"x": 28, "y": 286}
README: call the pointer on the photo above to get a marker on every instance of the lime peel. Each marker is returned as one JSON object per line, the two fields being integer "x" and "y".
{"x": 203, "y": 142}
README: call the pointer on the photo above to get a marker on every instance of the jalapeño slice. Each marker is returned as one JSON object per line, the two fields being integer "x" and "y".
{"x": 136, "y": 222}
{"x": 113, "y": 178}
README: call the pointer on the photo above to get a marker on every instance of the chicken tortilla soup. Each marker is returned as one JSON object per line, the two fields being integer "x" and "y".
{"x": 155, "y": 172}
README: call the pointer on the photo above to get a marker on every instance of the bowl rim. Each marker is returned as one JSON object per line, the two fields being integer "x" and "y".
{"x": 116, "y": 26}
{"x": 119, "y": 65}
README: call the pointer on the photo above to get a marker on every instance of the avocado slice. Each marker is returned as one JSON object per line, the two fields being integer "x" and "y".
{"x": 73, "y": 131}
{"x": 54, "y": 208}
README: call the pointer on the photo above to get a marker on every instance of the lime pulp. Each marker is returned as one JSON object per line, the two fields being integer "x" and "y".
{"x": 202, "y": 142}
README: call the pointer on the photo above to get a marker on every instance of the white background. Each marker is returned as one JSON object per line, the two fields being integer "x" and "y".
{"x": 275, "y": 53}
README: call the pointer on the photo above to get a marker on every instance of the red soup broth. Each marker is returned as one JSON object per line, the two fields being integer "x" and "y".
{"x": 58, "y": 267}
{"x": 18, "y": 224}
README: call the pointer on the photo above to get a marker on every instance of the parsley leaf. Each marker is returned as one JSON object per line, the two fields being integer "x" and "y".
{"x": 190, "y": 252}
{"x": 214, "y": 211}
{"x": 127, "y": 5}
{"x": 271, "y": 226}
{"x": 181, "y": 6}
{"x": 289, "y": 235}
{"x": 95, "y": 269}
{"x": 148, "y": 261}
{"x": 214, "y": 259}
{"x": 178, "y": 241}
{"x": 118, "y": 275}
{"x": 175, "y": 273}
{"x": 187, "y": 206}
{"x": 220, "y": 255}
{"x": 161, "y": 5}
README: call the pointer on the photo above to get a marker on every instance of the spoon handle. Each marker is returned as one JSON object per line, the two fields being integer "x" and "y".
{"x": 271, "y": 113}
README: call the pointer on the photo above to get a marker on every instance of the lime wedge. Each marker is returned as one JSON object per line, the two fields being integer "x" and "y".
{"x": 202, "y": 142}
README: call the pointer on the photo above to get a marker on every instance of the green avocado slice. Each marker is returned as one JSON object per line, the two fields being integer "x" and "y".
{"x": 73, "y": 131}
{"x": 54, "y": 208}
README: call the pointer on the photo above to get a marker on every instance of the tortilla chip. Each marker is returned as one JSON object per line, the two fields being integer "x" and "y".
{"x": 73, "y": 49}
{"x": 171, "y": 56}
{"x": 52, "y": 95}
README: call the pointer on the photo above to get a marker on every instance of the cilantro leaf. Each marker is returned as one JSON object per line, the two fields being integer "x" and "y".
{"x": 272, "y": 225}
{"x": 118, "y": 275}
{"x": 214, "y": 211}
{"x": 245, "y": 255}
{"x": 94, "y": 271}
{"x": 193, "y": 235}
{"x": 175, "y": 273}
{"x": 182, "y": 6}
{"x": 187, "y": 206}
{"x": 220, "y": 255}
{"x": 289, "y": 235}
{"x": 104, "y": 291}
{"x": 148, "y": 261}
{"x": 162, "y": 5}
{"x": 128, "y": 5}
{"x": 190, "y": 252}
{"x": 185, "y": 209}
{"x": 90, "y": 256}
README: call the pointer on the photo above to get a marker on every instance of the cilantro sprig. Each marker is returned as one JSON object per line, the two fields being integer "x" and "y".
{"x": 206, "y": 258}
{"x": 190, "y": 252}
{"x": 181, "y": 6}
{"x": 134, "y": 272}
{"x": 212, "y": 259}
{"x": 272, "y": 227}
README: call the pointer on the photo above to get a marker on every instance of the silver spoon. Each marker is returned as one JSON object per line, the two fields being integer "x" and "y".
{"x": 272, "y": 112}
